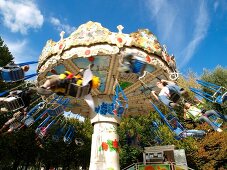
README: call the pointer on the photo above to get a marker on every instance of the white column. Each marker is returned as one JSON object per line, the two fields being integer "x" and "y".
{"x": 105, "y": 140}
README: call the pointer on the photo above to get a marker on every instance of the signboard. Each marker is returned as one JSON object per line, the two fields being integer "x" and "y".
{"x": 180, "y": 158}
{"x": 154, "y": 167}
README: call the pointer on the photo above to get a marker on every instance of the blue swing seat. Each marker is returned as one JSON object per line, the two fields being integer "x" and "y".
{"x": 216, "y": 120}
{"x": 58, "y": 134}
{"x": 69, "y": 135}
{"x": 55, "y": 111}
{"x": 218, "y": 94}
{"x": 138, "y": 66}
{"x": 119, "y": 107}
{"x": 177, "y": 128}
{"x": 12, "y": 74}
{"x": 29, "y": 121}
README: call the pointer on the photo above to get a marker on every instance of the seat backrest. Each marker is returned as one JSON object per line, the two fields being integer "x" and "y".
{"x": 13, "y": 103}
{"x": 78, "y": 91}
{"x": 216, "y": 120}
{"x": 174, "y": 96}
{"x": 12, "y": 74}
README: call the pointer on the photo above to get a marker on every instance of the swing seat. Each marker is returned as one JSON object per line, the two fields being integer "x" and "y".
{"x": 37, "y": 131}
{"x": 158, "y": 140}
{"x": 56, "y": 111}
{"x": 138, "y": 66}
{"x": 15, "y": 125}
{"x": 12, "y": 74}
{"x": 67, "y": 140}
{"x": 224, "y": 97}
{"x": 57, "y": 135}
{"x": 178, "y": 129}
{"x": 29, "y": 121}
{"x": 216, "y": 120}
{"x": 79, "y": 142}
{"x": 120, "y": 110}
{"x": 175, "y": 97}
{"x": 55, "y": 138}
{"x": 13, "y": 103}
{"x": 42, "y": 134}
{"x": 78, "y": 91}
{"x": 69, "y": 135}
{"x": 218, "y": 100}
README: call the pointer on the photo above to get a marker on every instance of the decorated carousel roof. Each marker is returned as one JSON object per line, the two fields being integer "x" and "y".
{"x": 92, "y": 43}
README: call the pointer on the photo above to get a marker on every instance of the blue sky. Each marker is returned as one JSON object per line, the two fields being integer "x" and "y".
{"x": 195, "y": 31}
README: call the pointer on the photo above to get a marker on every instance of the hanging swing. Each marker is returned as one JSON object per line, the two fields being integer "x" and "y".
{"x": 13, "y": 72}
{"x": 173, "y": 123}
{"x": 132, "y": 64}
{"x": 57, "y": 108}
{"x": 30, "y": 118}
{"x": 154, "y": 129}
{"x": 58, "y": 134}
{"x": 73, "y": 87}
{"x": 174, "y": 96}
{"x": 69, "y": 135}
{"x": 79, "y": 142}
{"x": 118, "y": 106}
{"x": 43, "y": 130}
{"x": 218, "y": 94}
{"x": 217, "y": 121}
{"x": 13, "y": 103}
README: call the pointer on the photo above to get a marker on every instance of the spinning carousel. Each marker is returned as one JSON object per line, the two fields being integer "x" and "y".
{"x": 119, "y": 92}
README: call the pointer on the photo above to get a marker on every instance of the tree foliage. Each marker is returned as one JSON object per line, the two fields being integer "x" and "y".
{"x": 5, "y": 54}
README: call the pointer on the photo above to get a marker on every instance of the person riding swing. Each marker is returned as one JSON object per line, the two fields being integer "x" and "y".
{"x": 13, "y": 72}
{"x": 67, "y": 84}
{"x": 170, "y": 93}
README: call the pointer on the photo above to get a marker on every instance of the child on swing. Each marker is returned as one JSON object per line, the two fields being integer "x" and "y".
{"x": 167, "y": 89}
{"x": 15, "y": 122}
{"x": 8, "y": 69}
{"x": 25, "y": 95}
{"x": 59, "y": 83}
{"x": 197, "y": 114}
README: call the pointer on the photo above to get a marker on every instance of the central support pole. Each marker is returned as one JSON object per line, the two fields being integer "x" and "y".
{"x": 104, "y": 147}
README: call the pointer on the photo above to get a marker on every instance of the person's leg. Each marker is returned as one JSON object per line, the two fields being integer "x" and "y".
{"x": 205, "y": 119}
{"x": 174, "y": 87}
{"x": 166, "y": 101}
{"x": 214, "y": 112}
{"x": 3, "y": 127}
{"x": 2, "y": 99}
{"x": 51, "y": 81}
{"x": 195, "y": 133}
{"x": 177, "y": 89}
{"x": 45, "y": 88}
{"x": 4, "y": 110}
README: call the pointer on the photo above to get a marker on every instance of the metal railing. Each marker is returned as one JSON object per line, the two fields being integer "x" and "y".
{"x": 135, "y": 166}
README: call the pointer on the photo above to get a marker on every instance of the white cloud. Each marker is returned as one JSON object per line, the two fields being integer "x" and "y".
{"x": 216, "y": 4}
{"x": 179, "y": 24}
{"x": 20, "y": 15}
{"x": 61, "y": 27}
{"x": 200, "y": 31}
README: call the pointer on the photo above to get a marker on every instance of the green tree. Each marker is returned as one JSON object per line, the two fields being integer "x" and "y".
{"x": 5, "y": 54}
{"x": 5, "y": 58}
